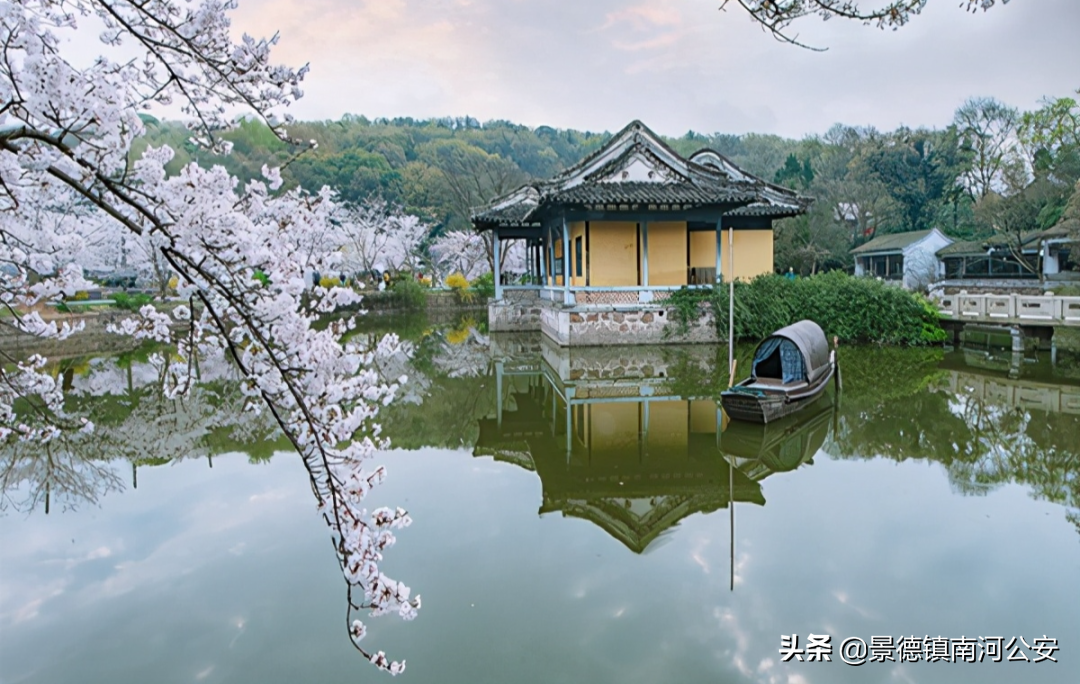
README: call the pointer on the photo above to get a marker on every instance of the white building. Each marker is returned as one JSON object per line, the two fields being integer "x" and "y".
{"x": 910, "y": 259}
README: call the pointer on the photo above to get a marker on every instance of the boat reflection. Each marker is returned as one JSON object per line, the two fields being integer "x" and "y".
{"x": 616, "y": 440}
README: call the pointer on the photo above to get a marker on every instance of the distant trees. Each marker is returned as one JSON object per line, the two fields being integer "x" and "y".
{"x": 381, "y": 237}
{"x": 987, "y": 129}
{"x": 865, "y": 182}
{"x": 1039, "y": 170}
{"x": 470, "y": 177}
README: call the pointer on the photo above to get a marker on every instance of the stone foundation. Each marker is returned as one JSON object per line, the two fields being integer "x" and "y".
{"x": 593, "y": 325}
{"x": 580, "y": 365}
{"x": 518, "y": 311}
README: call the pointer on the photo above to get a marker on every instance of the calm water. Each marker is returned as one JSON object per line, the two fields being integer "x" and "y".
{"x": 573, "y": 517}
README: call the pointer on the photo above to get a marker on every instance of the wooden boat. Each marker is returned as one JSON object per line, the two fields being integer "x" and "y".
{"x": 791, "y": 369}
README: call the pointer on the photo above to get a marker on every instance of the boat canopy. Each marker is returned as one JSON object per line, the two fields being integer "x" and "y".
{"x": 797, "y": 353}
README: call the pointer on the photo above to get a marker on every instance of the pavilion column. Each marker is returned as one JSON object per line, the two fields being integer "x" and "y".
{"x": 498, "y": 266}
{"x": 550, "y": 237}
{"x": 719, "y": 258}
{"x": 541, "y": 258}
{"x": 567, "y": 296}
{"x": 644, "y": 253}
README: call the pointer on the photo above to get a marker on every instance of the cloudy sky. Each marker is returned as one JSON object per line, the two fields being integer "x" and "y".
{"x": 676, "y": 64}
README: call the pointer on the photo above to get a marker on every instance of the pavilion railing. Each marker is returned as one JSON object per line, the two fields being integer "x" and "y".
{"x": 577, "y": 294}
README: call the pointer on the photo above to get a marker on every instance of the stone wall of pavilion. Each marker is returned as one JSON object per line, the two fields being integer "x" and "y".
{"x": 519, "y": 311}
{"x": 599, "y": 325}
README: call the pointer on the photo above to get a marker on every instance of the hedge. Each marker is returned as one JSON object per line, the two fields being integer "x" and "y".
{"x": 857, "y": 310}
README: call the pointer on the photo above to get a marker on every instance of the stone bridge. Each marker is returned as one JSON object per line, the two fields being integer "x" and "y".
{"x": 1012, "y": 309}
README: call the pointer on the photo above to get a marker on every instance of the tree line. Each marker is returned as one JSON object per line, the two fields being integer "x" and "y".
{"x": 994, "y": 171}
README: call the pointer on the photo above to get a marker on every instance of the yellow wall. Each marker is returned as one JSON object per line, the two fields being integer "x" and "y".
{"x": 615, "y": 262}
{"x": 667, "y": 253}
{"x": 703, "y": 416}
{"x": 668, "y": 423}
{"x": 613, "y": 429}
{"x": 578, "y": 230}
{"x": 753, "y": 254}
{"x": 703, "y": 248}
{"x": 613, "y": 253}
{"x": 558, "y": 257}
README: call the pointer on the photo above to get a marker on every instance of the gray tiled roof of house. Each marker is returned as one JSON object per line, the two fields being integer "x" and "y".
{"x": 637, "y": 170}
{"x": 1028, "y": 241}
{"x": 892, "y": 242}
{"x": 966, "y": 248}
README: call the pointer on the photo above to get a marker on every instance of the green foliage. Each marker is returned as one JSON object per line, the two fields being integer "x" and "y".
{"x": 860, "y": 310}
{"x": 484, "y": 286}
{"x": 131, "y": 302}
{"x": 795, "y": 175}
{"x": 687, "y": 306}
{"x": 1065, "y": 290}
{"x": 409, "y": 295}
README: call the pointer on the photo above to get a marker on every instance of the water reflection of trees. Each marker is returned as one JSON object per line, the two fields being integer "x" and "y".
{"x": 983, "y": 428}
{"x": 450, "y": 384}
{"x": 133, "y": 422}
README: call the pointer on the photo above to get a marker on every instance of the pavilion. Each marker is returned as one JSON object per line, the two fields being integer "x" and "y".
{"x": 611, "y": 237}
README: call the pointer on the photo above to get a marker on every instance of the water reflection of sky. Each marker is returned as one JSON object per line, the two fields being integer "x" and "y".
{"x": 226, "y": 574}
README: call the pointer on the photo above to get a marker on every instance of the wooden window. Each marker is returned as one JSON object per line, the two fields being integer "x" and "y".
{"x": 579, "y": 256}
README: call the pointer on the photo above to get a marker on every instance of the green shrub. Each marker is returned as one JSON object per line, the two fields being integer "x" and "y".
{"x": 131, "y": 302}
{"x": 853, "y": 309}
{"x": 409, "y": 294}
{"x": 484, "y": 286}
{"x": 1063, "y": 290}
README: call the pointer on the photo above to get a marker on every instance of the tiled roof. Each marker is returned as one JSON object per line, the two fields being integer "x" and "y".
{"x": 892, "y": 242}
{"x": 1028, "y": 242}
{"x": 637, "y": 170}
{"x": 967, "y": 248}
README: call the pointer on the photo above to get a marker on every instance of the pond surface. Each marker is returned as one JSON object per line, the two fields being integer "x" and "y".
{"x": 573, "y": 523}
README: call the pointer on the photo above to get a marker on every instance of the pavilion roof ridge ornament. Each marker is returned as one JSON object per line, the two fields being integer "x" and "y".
{"x": 711, "y": 159}
{"x": 528, "y": 194}
{"x": 634, "y": 143}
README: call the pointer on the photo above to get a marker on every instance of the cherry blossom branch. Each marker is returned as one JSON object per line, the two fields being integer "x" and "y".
{"x": 775, "y": 16}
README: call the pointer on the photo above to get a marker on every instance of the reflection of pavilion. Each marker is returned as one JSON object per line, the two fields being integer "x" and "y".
{"x": 614, "y": 442}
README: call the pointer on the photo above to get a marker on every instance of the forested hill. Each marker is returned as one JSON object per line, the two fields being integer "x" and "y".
{"x": 994, "y": 170}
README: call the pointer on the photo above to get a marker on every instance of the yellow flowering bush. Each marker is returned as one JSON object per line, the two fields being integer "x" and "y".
{"x": 457, "y": 281}
{"x": 460, "y": 285}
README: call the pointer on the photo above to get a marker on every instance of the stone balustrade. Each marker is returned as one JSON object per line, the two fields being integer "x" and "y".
{"x": 1013, "y": 309}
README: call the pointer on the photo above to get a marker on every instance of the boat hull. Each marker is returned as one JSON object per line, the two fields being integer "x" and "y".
{"x": 771, "y": 405}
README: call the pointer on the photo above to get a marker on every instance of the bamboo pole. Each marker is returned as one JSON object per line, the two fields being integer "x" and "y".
{"x": 731, "y": 300}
